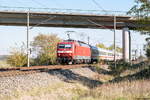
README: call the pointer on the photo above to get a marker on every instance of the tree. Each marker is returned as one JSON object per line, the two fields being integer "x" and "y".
{"x": 147, "y": 47}
{"x": 118, "y": 49}
{"x": 18, "y": 56}
{"x": 45, "y": 48}
{"x": 141, "y": 10}
{"x": 111, "y": 47}
{"x": 101, "y": 45}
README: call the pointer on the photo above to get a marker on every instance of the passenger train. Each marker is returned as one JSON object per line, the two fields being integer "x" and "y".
{"x": 108, "y": 54}
{"x": 74, "y": 52}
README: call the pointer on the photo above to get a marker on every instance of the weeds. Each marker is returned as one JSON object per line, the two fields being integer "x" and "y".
{"x": 116, "y": 90}
{"x": 120, "y": 67}
{"x": 4, "y": 64}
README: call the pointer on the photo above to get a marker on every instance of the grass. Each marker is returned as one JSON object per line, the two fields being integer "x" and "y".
{"x": 123, "y": 90}
{"x": 135, "y": 89}
{"x": 74, "y": 91}
{"x": 57, "y": 91}
{"x": 3, "y": 64}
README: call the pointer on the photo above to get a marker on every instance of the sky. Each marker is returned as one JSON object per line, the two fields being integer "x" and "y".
{"x": 12, "y": 36}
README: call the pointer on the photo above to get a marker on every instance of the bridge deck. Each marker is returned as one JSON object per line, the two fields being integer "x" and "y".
{"x": 18, "y": 18}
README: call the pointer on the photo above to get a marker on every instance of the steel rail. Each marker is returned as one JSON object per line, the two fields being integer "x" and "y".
{"x": 8, "y": 72}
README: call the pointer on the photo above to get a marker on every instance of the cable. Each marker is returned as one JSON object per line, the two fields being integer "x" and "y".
{"x": 98, "y": 24}
{"x": 43, "y": 22}
{"x": 19, "y": 2}
{"x": 4, "y": 2}
{"x": 8, "y": 2}
{"x": 99, "y": 6}
{"x": 1, "y": 3}
{"x": 55, "y": 9}
{"x": 59, "y": 4}
{"x": 38, "y": 3}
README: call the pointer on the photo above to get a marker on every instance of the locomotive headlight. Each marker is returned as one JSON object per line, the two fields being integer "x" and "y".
{"x": 59, "y": 54}
{"x": 68, "y": 51}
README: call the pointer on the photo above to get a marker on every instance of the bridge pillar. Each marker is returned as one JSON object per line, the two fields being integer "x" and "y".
{"x": 126, "y": 40}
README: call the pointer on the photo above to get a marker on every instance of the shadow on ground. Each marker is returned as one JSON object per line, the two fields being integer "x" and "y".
{"x": 143, "y": 74}
{"x": 101, "y": 71}
{"x": 69, "y": 76}
{"x": 138, "y": 65}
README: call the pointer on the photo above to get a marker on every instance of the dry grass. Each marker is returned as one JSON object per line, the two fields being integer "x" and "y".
{"x": 74, "y": 91}
{"x": 109, "y": 90}
{"x": 4, "y": 64}
{"x": 103, "y": 78}
{"x": 124, "y": 90}
{"x": 121, "y": 91}
{"x": 57, "y": 91}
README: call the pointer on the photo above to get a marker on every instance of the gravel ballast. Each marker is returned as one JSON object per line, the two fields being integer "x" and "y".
{"x": 8, "y": 85}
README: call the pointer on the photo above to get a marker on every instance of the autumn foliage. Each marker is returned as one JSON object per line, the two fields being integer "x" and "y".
{"x": 43, "y": 48}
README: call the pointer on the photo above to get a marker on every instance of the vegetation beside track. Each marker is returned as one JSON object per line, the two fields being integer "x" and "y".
{"x": 43, "y": 48}
{"x": 130, "y": 84}
{"x": 4, "y": 64}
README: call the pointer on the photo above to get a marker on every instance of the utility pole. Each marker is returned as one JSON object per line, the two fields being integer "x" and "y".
{"x": 136, "y": 51}
{"x": 88, "y": 40}
{"x": 140, "y": 52}
{"x": 115, "y": 40}
{"x": 28, "y": 52}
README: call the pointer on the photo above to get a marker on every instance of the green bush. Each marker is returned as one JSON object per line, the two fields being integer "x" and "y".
{"x": 120, "y": 67}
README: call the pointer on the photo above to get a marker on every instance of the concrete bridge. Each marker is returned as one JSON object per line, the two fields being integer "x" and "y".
{"x": 65, "y": 20}
{"x": 45, "y": 19}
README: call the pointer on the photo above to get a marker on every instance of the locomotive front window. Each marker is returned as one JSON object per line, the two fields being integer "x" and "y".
{"x": 63, "y": 46}
{"x": 68, "y": 46}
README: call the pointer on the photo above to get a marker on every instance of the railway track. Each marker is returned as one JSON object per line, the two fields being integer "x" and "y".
{"x": 7, "y": 72}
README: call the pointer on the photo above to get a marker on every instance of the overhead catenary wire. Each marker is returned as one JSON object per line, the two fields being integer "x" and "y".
{"x": 51, "y": 18}
{"x": 18, "y": 1}
{"x": 61, "y": 10}
{"x": 3, "y": 2}
{"x": 43, "y": 5}
{"x": 89, "y": 20}
{"x": 57, "y": 3}
{"x": 135, "y": 42}
{"x": 98, "y": 5}
{"x": 39, "y": 3}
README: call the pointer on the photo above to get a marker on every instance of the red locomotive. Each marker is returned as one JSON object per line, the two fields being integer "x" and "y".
{"x": 72, "y": 51}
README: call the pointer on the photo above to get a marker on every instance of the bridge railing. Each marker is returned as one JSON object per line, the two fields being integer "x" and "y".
{"x": 64, "y": 11}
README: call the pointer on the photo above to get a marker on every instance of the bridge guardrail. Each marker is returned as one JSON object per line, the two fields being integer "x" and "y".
{"x": 65, "y": 11}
